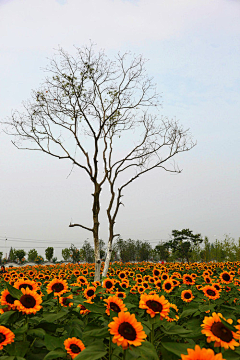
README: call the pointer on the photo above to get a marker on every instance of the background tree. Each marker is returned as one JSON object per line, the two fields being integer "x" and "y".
{"x": 87, "y": 252}
{"x": 91, "y": 95}
{"x": 182, "y": 243}
{"x": 12, "y": 255}
{"x": 20, "y": 254}
{"x": 49, "y": 253}
{"x": 1, "y": 255}
{"x": 32, "y": 255}
{"x": 162, "y": 251}
{"x": 66, "y": 254}
{"x": 74, "y": 253}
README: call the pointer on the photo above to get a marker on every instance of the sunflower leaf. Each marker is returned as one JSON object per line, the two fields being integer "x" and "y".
{"x": 55, "y": 354}
{"x": 13, "y": 291}
{"x": 91, "y": 352}
{"x": 176, "y": 348}
{"x": 229, "y": 326}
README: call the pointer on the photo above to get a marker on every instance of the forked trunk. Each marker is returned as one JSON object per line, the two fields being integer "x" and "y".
{"x": 96, "y": 209}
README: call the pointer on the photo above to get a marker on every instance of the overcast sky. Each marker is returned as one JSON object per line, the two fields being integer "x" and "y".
{"x": 193, "y": 47}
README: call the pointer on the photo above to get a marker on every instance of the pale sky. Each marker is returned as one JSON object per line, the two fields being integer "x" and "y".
{"x": 193, "y": 47}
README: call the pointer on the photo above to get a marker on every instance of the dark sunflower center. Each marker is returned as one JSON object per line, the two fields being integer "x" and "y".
{"x": 108, "y": 284}
{"x": 164, "y": 277}
{"x": 217, "y": 287}
{"x": 211, "y": 292}
{"x": 90, "y": 292}
{"x": 10, "y": 299}
{"x": 57, "y": 287}
{"x": 127, "y": 331}
{"x": 82, "y": 280}
{"x": 156, "y": 272}
{"x": 154, "y": 305}
{"x": 222, "y": 332}
{"x": 123, "y": 285}
{"x": 2, "y": 337}
{"x": 122, "y": 276}
{"x": 64, "y": 299}
{"x": 120, "y": 295}
{"x": 28, "y": 301}
{"x": 187, "y": 295}
{"x": 226, "y": 277}
{"x": 115, "y": 307}
{"x": 145, "y": 285}
{"x": 24, "y": 286}
{"x": 207, "y": 280}
{"x": 168, "y": 286}
{"x": 188, "y": 279}
{"x": 75, "y": 349}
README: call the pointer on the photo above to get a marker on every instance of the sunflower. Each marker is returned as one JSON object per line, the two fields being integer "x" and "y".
{"x": 156, "y": 272}
{"x": 126, "y": 330}
{"x": 188, "y": 279}
{"x": 216, "y": 331}
{"x": 108, "y": 284}
{"x": 164, "y": 276}
{"x": 211, "y": 292}
{"x": 169, "y": 319}
{"x": 155, "y": 304}
{"x": 23, "y": 284}
{"x": 73, "y": 346}
{"x": 168, "y": 286}
{"x": 121, "y": 294}
{"x": 122, "y": 275}
{"x": 7, "y": 299}
{"x": 29, "y": 302}
{"x": 225, "y": 277}
{"x": 63, "y": 300}
{"x": 140, "y": 289}
{"x": 158, "y": 284}
{"x": 83, "y": 309}
{"x": 89, "y": 292}
{"x": 201, "y": 354}
{"x": 114, "y": 303}
{"x": 59, "y": 287}
{"x": 82, "y": 280}
{"x": 187, "y": 295}
{"x": 6, "y": 336}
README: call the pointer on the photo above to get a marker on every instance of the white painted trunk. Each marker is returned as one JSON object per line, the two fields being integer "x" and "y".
{"x": 108, "y": 259}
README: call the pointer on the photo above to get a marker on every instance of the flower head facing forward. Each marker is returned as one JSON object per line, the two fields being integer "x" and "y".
{"x": 59, "y": 287}
{"x": 155, "y": 304}
{"x": 216, "y": 331}
{"x": 114, "y": 303}
{"x": 6, "y": 336}
{"x": 29, "y": 302}
{"x": 73, "y": 346}
{"x": 126, "y": 330}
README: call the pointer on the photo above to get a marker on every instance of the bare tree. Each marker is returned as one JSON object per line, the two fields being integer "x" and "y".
{"x": 83, "y": 112}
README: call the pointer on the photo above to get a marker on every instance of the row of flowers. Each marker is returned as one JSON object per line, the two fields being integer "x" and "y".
{"x": 139, "y": 311}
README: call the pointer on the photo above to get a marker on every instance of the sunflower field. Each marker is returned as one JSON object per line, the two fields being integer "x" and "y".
{"x": 171, "y": 311}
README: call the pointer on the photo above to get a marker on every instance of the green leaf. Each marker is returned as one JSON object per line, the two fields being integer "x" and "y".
{"x": 146, "y": 351}
{"x": 204, "y": 308}
{"x": 176, "y": 330}
{"x": 21, "y": 330}
{"x": 53, "y": 342}
{"x": 37, "y": 332}
{"x": 229, "y": 326}
{"x": 53, "y": 317}
{"x": 4, "y": 318}
{"x": 187, "y": 312}
{"x": 91, "y": 353}
{"x": 231, "y": 355}
{"x": 97, "y": 333}
{"x": 13, "y": 291}
{"x": 18, "y": 348}
{"x": 176, "y": 348}
{"x": 94, "y": 308}
{"x": 55, "y": 354}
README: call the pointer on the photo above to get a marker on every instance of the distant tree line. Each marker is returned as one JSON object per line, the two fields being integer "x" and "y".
{"x": 183, "y": 246}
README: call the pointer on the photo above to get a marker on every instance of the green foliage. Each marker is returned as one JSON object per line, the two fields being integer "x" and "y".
{"x": 87, "y": 251}
{"x": 20, "y": 254}
{"x": 161, "y": 250}
{"x": 74, "y": 253}
{"x": 131, "y": 250}
{"x": 183, "y": 242}
{"x": 12, "y": 255}
{"x": 32, "y": 255}
{"x": 66, "y": 254}
{"x": 39, "y": 259}
{"x": 49, "y": 253}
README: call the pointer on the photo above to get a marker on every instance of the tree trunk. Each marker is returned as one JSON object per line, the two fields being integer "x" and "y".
{"x": 95, "y": 210}
{"x": 109, "y": 251}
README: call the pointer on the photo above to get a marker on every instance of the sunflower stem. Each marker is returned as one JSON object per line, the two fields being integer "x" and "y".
{"x": 152, "y": 334}
{"x": 110, "y": 348}
{"x": 124, "y": 354}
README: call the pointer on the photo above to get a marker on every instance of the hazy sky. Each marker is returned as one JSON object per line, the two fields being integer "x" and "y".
{"x": 193, "y": 47}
